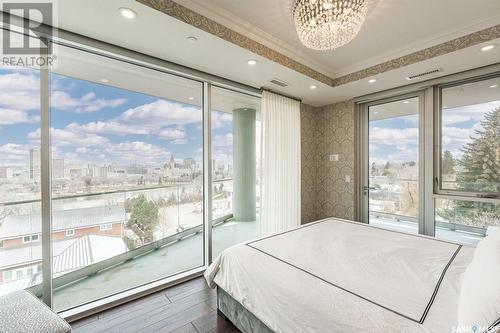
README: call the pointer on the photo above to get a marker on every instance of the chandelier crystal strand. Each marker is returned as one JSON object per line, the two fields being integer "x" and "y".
{"x": 328, "y": 24}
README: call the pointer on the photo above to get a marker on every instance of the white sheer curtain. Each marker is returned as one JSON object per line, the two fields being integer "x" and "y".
{"x": 280, "y": 191}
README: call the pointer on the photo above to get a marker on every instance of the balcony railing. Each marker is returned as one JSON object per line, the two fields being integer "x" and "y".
{"x": 440, "y": 224}
{"x": 97, "y": 267}
{"x": 66, "y": 278}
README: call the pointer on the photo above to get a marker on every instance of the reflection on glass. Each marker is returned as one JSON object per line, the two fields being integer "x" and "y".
{"x": 127, "y": 177}
{"x": 394, "y": 169}
{"x": 236, "y": 167}
{"x": 470, "y": 132}
{"x": 465, "y": 221}
{"x": 20, "y": 219}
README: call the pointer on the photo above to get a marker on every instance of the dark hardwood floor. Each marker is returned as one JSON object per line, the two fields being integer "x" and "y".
{"x": 189, "y": 307}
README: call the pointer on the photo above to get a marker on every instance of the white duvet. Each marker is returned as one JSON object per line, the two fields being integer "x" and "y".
{"x": 340, "y": 276}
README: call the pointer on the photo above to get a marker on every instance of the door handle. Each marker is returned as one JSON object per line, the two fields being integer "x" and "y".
{"x": 368, "y": 188}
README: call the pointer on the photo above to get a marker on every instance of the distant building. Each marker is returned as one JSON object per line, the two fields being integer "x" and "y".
{"x": 75, "y": 172}
{"x": 189, "y": 163}
{"x": 34, "y": 164}
{"x": 20, "y": 242}
{"x": 103, "y": 172}
{"x": 3, "y": 172}
{"x": 58, "y": 168}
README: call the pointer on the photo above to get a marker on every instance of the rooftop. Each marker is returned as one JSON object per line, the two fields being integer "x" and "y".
{"x": 20, "y": 225}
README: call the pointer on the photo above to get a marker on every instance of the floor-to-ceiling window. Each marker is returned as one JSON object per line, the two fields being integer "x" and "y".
{"x": 447, "y": 139}
{"x": 469, "y": 160}
{"x": 127, "y": 173}
{"x": 236, "y": 144}
{"x": 20, "y": 221}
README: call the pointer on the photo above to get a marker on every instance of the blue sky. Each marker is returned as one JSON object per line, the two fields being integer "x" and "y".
{"x": 95, "y": 123}
{"x": 396, "y": 139}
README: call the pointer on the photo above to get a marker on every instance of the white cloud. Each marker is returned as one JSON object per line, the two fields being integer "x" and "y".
{"x": 20, "y": 91}
{"x": 19, "y": 81}
{"x": 111, "y": 127}
{"x": 220, "y": 119}
{"x": 136, "y": 151}
{"x": 223, "y": 140}
{"x": 391, "y": 135}
{"x": 65, "y": 138}
{"x": 86, "y": 104}
{"x": 174, "y": 134}
{"x": 160, "y": 113}
{"x": 10, "y": 116}
{"x": 14, "y": 154}
{"x": 453, "y": 116}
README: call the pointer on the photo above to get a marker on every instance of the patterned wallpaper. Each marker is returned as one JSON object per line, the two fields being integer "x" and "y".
{"x": 325, "y": 131}
{"x": 308, "y": 117}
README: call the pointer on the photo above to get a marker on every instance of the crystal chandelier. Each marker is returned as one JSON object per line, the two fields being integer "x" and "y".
{"x": 328, "y": 24}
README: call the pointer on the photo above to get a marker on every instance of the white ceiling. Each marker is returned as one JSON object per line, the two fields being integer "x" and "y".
{"x": 392, "y": 29}
{"x": 386, "y": 33}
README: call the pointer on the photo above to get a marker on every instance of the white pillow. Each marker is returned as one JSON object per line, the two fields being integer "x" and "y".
{"x": 479, "y": 303}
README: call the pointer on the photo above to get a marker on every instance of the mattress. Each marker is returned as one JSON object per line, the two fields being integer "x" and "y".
{"x": 338, "y": 275}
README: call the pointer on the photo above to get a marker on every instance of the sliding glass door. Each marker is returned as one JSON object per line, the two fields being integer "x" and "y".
{"x": 391, "y": 187}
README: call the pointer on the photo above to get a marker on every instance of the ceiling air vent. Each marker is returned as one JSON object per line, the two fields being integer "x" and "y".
{"x": 420, "y": 75}
{"x": 279, "y": 82}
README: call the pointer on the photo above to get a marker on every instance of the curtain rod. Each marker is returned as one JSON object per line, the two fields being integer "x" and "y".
{"x": 281, "y": 94}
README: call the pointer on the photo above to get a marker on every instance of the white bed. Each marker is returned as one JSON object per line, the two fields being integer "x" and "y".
{"x": 340, "y": 276}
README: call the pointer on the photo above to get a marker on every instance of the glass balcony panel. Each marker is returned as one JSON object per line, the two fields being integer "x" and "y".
{"x": 465, "y": 221}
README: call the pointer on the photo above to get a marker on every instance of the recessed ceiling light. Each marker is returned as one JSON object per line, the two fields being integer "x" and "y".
{"x": 104, "y": 80}
{"x": 252, "y": 62}
{"x": 488, "y": 47}
{"x": 127, "y": 13}
{"x": 313, "y": 87}
{"x": 372, "y": 80}
{"x": 494, "y": 86}
{"x": 191, "y": 98}
{"x": 406, "y": 102}
{"x": 192, "y": 39}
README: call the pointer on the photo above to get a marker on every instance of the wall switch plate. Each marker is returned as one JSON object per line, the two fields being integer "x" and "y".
{"x": 334, "y": 158}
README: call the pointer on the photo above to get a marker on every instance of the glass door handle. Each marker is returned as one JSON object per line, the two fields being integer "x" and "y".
{"x": 367, "y": 188}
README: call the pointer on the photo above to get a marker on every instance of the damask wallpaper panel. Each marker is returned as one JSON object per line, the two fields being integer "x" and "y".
{"x": 326, "y": 131}
{"x": 308, "y": 128}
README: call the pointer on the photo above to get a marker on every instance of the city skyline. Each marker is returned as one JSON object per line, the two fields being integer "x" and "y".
{"x": 98, "y": 124}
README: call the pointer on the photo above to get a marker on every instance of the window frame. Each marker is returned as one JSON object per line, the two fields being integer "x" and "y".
{"x": 432, "y": 148}
{"x": 438, "y": 152}
{"x": 68, "y": 39}
{"x": 364, "y": 124}
{"x": 31, "y": 238}
{"x": 106, "y": 227}
{"x": 4, "y": 275}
